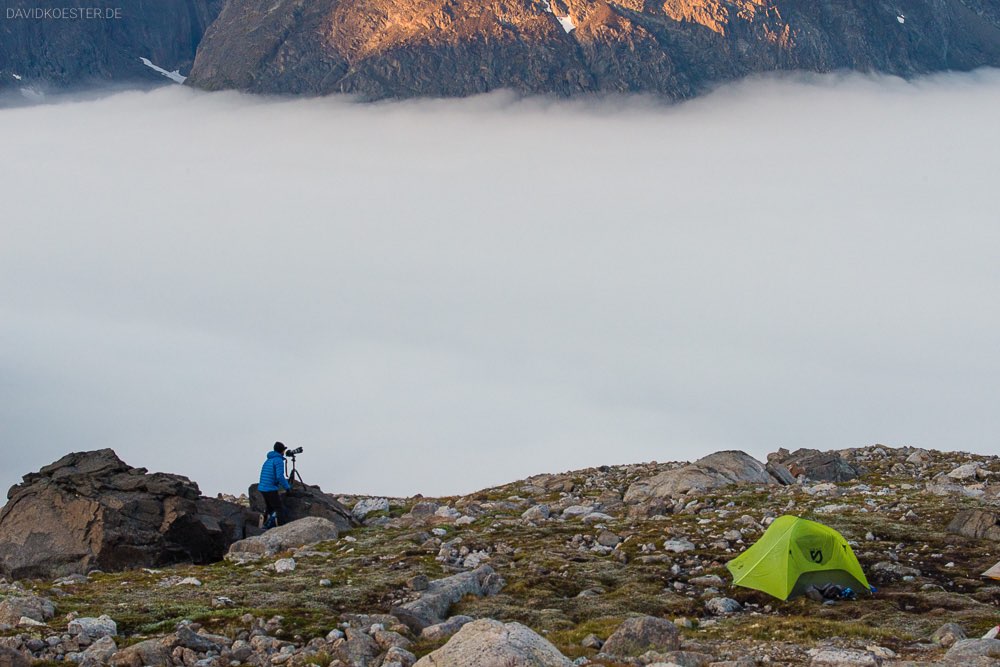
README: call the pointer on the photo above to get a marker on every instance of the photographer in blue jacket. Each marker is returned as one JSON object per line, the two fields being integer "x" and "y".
{"x": 272, "y": 478}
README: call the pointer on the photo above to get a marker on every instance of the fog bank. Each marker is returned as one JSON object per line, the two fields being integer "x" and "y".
{"x": 439, "y": 296}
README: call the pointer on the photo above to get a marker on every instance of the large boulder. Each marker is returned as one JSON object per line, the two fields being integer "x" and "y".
{"x": 973, "y": 653}
{"x": 637, "y": 635}
{"x": 977, "y": 524}
{"x": 14, "y": 608}
{"x": 91, "y": 510}
{"x": 304, "y": 500}
{"x": 12, "y": 658}
{"x": 489, "y": 643}
{"x": 300, "y": 532}
{"x": 815, "y": 465}
{"x": 431, "y": 608}
{"x": 713, "y": 471}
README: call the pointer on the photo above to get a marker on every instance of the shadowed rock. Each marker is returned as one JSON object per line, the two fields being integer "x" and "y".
{"x": 91, "y": 510}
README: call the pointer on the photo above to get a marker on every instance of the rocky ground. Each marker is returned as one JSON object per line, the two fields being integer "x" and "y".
{"x": 618, "y": 565}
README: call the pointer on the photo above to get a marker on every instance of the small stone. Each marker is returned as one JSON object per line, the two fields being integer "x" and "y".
{"x": 188, "y": 581}
{"x": 283, "y": 565}
{"x": 678, "y": 546}
{"x": 948, "y": 634}
{"x": 723, "y": 606}
{"x": 592, "y": 641}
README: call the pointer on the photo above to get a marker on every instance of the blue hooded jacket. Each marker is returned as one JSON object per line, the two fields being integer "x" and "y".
{"x": 272, "y": 473}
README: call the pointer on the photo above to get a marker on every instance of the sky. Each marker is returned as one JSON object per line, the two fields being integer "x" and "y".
{"x": 439, "y": 296}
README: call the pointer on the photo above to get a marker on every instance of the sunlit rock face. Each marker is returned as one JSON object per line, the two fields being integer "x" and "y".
{"x": 676, "y": 48}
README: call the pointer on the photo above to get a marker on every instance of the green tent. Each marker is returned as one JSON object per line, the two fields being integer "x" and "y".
{"x": 795, "y": 553}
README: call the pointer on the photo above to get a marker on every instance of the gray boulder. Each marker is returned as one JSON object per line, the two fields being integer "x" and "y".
{"x": 33, "y": 607}
{"x": 366, "y": 506}
{"x": 91, "y": 510}
{"x": 300, "y": 532}
{"x": 94, "y": 628}
{"x": 431, "y": 608}
{"x": 99, "y": 652}
{"x": 974, "y": 653}
{"x": 638, "y": 635}
{"x": 815, "y": 465}
{"x": 148, "y": 653}
{"x": 977, "y": 524}
{"x": 489, "y": 643}
{"x": 723, "y": 606}
{"x": 948, "y": 634}
{"x": 445, "y": 629}
{"x": 713, "y": 471}
{"x": 13, "y": 658}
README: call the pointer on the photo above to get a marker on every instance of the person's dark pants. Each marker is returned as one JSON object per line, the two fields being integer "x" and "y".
{"x": 274, "y": 504}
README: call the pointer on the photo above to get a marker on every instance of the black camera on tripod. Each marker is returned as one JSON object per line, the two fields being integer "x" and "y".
{"x": 293, "y": 452}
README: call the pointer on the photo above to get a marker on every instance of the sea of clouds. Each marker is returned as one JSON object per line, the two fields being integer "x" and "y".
{"x": 438, "y": 296}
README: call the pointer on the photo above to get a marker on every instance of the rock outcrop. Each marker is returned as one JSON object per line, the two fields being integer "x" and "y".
{"x": 303, "y": 501}
{"x": 677, "y": 48}
{"x": 713, "y": 471}
{"x": 91, "y": 510}
{"x": 489, "y": 643}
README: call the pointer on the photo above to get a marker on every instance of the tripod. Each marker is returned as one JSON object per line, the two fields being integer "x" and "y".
{"x": 294, "y": 475}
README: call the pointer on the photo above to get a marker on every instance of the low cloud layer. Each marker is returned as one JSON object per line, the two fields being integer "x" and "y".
{"x": 438, "y": 296}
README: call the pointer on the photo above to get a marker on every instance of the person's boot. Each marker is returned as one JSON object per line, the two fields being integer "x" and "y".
{"x": 272, "y": 521}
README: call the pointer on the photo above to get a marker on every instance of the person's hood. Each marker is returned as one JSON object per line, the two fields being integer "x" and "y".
{"x": 274, "y": 455}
